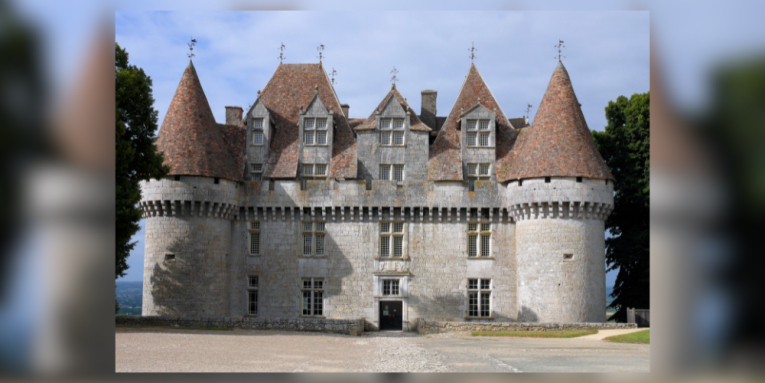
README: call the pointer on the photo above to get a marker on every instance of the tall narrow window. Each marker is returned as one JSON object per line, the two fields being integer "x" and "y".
{"x": 385, "y": 131}
{"x": 309, "y": 129}
{"x": 472, "y": 173}
{"x": 321, "y": 131}
{"x": 257, "y": 131}
{"x": 319, "y": 235}
{"x": 385, "y": 172}
{"x": 312, "y": 291}
{"x": 252, "y": 295}
{"x": 398, "y": 239}
{"x": 484, "y": 139}
{"x": 472, "y": 239}
{"x": 485, "y": 239}
{"x": 385, "y": 239}
{"x": 256, "y": 171}
{"x": 479, "y": 298}
{"x": 398, "y": 134}
{"x": 398, "y": 172}
{"x": 471, "y": 139}
{"x": 254, "y": 234}
{"x": 471, "y": 134}
{"x": 313, "y": 238}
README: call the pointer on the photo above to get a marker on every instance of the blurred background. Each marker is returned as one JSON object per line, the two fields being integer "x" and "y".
{"x": 57, "y": 179}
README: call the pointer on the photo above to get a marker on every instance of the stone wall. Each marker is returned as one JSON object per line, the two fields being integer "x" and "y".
{"x": 436, "y": 327}
{"x": 341, "y": 326}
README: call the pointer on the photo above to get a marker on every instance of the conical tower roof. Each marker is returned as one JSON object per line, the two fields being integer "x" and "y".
{"x": 558, "y": 142}
{"x": 192, "y": 142}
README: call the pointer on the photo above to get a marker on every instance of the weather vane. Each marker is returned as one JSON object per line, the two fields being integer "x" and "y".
{"x": 281, "y": 54}
{"x": 334, "y": 73}
{"x": 528, "y": 109}
{"x": 191, "y": 48}
{"x": 394, "y": 72}
{"x": 472, "y": 51}
{"x": 559, "y": 46}
{"x": 320, "y": 48}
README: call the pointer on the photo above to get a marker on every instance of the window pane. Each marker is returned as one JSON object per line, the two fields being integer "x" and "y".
{"x": 321, "y": 138}
{"x": 385, "y": 172}
{"x": 472, "y": 284}
{"x": 257, "y": 138}
{"x": 471, "y": 125}
{"x": 485, "y": 227}
{"x": 472, "y": 226}
{"x": 321, "y": 123}
{"x": 471, "y": 184}
{"x": 471, "y": 169}
{"x": 257, "y": 168}
{"x": 398, "y": 138}
{"x": 307, "y": 170}
{"x": 399, "y": 173}
{"x": 471, "y": 139}
{"x": 472, "y": 239}
{"x": 318, "y": 303}
{"x": 253, "y": 282}
{"x": 485, "y": 245}
{"x": 398, "y": 227}
{"x": 309, "y": 138}
{"x": 303, "y": 184}
{"x": 384, "y": 246}
{"x": 254, "y": 243}
{"x": 306, "y": 303}
{"x": 485, "y": 297}
{"x": 394, "y": 287}
{"x": 254, "y": 225}
{"x": 484, "y": 124}
{"x": 321, "y": 170}
{"x": 385, "y": 123}
{"x": 398, "y": 124}
{"x": 398, "y": 246}
{"x": 385, "y": 138}
{"x": 484, "y": 169}
{"x": 252, "y": 302}
{"x": 473, "y": 304}
{"x": 385, "y": 227}
{"x": 307, "y": 226}
{"x": 485, "y": 284}
{"x": 257, "y": 123}
{"x": 386, "y": 287}
{"x": 320, "y": 226}
{"x": 484, "y": 139}
{"x": 306, "y": 283}
{"x": 319, "y": 244}
{"x": 307, "y": 244}
{"x": 318, "y": 284}
{"x": 309, "y": 123}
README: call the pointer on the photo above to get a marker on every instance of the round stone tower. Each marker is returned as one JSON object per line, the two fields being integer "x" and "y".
{"x": 190, "y": 213}
{"x": 561, "y": 195}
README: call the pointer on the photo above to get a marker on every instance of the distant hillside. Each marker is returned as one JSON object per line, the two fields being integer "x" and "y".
{"x": 130, "y": 297}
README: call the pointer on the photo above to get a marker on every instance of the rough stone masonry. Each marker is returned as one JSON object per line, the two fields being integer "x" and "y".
{"x": 295, "y": 211}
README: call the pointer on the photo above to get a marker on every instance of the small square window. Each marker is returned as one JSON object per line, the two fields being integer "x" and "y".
{"x": 257, "y": 138}
{"x": 547, "y": 180}
{"x": 398, "y": 138}
{"x": 385, "y": 172}
{"x": 257, "y": 123}
{"x": 385, "y": 138}
{"x": 484, "y": 139}
{"x": 472, "y": 226}
{"x": 385, "y": 227}
{"x": 485, "y": 284}
{"x": 471, "y": 137}
{"x": 484, "y": 124}
{"x": 309, "y": 123}
{"x": 307, "y": 170}
{"x": 484, "y": 169}
{"x": 321, "y": 170}
{"x": 471, "y": 124}
{"x": 321, "y": 123}
{"x": 216, "y": 180}
{"x": 578, "y": 179}
{"x": 398, "y": 124}
{"x": 306, "y": 283}
{"x": 177, "y": 178}
{"x": 307, "y": 226}
{"x": 321, "y": 138}
{"x": 398, "y": 227}
{"x": 472, "y": 284}
{"x": 385, "y": 123}
{"x": 319, "y": 226}
{"x": 471, "y": 169}
{"x": 252, "y": 282}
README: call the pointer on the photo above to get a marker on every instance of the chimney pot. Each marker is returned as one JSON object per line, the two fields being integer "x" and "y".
{"x": 345, "y": 108}
{"x": 428, "y": 108}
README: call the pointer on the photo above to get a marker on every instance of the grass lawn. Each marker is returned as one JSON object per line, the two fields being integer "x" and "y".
{"x": 643, "y": 337}
{"x": 537, "y": 334}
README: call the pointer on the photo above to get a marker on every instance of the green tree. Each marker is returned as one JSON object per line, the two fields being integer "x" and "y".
{"x": 136, "y": 154}
{"x": 625, "y": 147}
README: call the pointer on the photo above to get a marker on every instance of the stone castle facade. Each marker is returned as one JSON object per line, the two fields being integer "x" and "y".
{"x": 296, "y": 210}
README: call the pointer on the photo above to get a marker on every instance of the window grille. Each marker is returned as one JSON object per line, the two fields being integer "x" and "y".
{"x": 307, "y": 170}
{"x": 399, "y": 172}
{"x": 252, "y": 295}
{"x": 391, "y": 287}
{"x": 471, "y": 139}
{"x": 309, "y": 138}
{"x": 484, "y": 169}
{"x": 257, "y": 123}
{"x": 385, "y": 138}
{"x": 472, "y": 239}
{"x": 398, "y": 138}
{"x": 484, "y": 139}
{"x": 398, "y": 243}
{"x": 321, "y": 123}
{"x": 257, "y": 138}
{"x": 484, "y": 124}
{"x": 485, "y": 245}
{"x": 385, "y": 123}
{"x": 398, "y": 124}
{"x": 479, "y": 240}
{"x": 470, "y": 124}
{"x": 321, "y": 170}
{"x": 307, "y": 244}
{"x": 313, "y": 296}
{"x": 471, "y": 169}
{"x": 309, "y": 123}
{"x": 385, "y": 239}
{"x": 257, "y": 171}
{"x": 479, "y": 299}
{"x": 321, "y": 138}
{"x": 254, "y": 234}
{"x": 398, "y": 227}
{"x": 385, "y": 172}
{"x": 319, "y": 244}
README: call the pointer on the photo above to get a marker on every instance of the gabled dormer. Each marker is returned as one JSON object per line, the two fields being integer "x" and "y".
{"x": 392, "y": 123}
{"x": 260, "y": 127}
{"x": 315, "y": 135}
{"x": 478, "y": 135}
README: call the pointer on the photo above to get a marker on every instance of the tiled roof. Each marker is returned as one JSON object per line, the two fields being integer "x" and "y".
{"x": 414, "y": 120}
{"x": 354, "y": 122}
{"x": 445, "y": 163}
{"x": 291, "y": 87}
{"x": 192, "y": 142}
{"x": 559, "y": 143}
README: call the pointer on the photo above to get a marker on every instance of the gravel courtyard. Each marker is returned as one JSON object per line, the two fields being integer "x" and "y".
{"x": 161, "y": 349}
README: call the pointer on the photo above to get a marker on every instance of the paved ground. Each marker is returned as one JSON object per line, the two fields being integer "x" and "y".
{"x": 155, "y": 349}
{"x": 606, "y": 333}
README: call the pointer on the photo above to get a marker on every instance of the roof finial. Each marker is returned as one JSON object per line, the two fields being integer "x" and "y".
{"x": 334, "y": 73}
{"x": 472, "y": 51}
{"x": 479, "y": 100}
{"x": 393, "y": 79}
{"x": 320, "y": 48}
{"x": 559, "y": 46}
{"x": 281, "y": 54}
{"x": 316, "y": 89}
{"x": 528, "y": 110}
{"x": 258, "y": 92}
{"x": 191, "y": 48}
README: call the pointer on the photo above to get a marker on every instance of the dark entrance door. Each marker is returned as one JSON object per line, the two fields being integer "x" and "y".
{"x": 391, "y": 315}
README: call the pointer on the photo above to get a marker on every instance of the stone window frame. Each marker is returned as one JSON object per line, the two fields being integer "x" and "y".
{"x": 253, "y": 231}
{"x": 482, "y": 232}
{"x": 315, "y": 130}
{"x": 258, "y": 129}
{"x": 252, "y": 291}
{"x": 314, "y": 301}
{"x": 390, "y": 237}
{"x": 256, "y": 171}
{"x": 318, "y": 229}
{"x": 393, "y": 287}
{"x": 483, "y": 298}
{"x": 472, "y": 177}
{"x": 392, "y": 170}
{"x": 475, "y": 132}
{"x": 311, "y": 172}
{"x": 392, "y": 131}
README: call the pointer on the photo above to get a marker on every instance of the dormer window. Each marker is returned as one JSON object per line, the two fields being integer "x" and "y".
{"x": 257, "y": 131}
{"x": 315, "y": 131}
{"x": 391, "y": 131}
{"x": 478, "y": 133}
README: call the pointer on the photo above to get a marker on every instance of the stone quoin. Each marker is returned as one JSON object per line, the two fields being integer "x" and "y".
{"x": 293, "y": 210}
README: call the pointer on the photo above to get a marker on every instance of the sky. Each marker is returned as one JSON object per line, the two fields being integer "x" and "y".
{"x": 606, "y": 55}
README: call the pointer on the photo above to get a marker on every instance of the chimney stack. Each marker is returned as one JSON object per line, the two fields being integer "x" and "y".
{"x": 233, "y": 115}
{"x": 345, "y": 108}
{"x": 428, "y": 108}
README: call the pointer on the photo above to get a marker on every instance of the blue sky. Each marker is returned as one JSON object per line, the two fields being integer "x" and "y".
{"x": 607, "y": 55}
